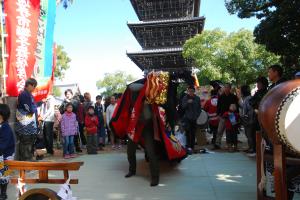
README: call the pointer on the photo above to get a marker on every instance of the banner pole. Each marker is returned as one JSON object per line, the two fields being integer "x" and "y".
{"x": 3, "y": 35}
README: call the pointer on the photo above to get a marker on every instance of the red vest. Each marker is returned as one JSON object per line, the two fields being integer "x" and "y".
{"x": 211, "y": 108}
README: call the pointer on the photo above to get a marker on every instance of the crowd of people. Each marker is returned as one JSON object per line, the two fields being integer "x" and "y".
{"x": 79, "y": 123}
{"x": 85, "y": 124}
{"x": 230, "y": 110}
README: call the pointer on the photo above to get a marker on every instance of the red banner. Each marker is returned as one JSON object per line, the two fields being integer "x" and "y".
{"x": 21, "y": 25}
{"x": 41, "y": 92}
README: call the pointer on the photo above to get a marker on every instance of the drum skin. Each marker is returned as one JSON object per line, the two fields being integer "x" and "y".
{"x": 270, "y": 105}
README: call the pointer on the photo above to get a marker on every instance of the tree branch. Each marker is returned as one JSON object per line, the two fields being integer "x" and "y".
{"x": 263, "y": 7}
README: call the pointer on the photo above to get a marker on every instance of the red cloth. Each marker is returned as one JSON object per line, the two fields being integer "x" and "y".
{"x": 120, "y": 118}
{"x": 211, "y": 108}
{"x": 91, "y": 124}
{"x": 21, "y": 25}
{"x": 135, "y": 128}
{"x": 80, "y": 113}
{"x": 228, "y": 124}
{"x": 125, "y": 121}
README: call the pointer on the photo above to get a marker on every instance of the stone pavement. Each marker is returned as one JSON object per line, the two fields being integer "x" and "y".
{"x": 215, "y": 176}
{"x": 226, "y": 176}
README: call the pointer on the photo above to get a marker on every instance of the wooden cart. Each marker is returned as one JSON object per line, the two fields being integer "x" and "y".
{"x": 43, "y": 168}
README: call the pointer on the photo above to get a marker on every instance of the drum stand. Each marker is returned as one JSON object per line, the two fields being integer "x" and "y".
{"x": 279, "y": 159}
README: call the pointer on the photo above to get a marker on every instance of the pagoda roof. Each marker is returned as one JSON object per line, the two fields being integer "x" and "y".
{"x": 166, "y": 33}
{"x": 158, "y": 51}
{"x": 160, "y": 59}
{"x": 168, "y": 21}
{"x": 162, "y": 9}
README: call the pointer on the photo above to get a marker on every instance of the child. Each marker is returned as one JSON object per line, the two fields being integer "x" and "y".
{"x": 69, "y": 128}
{"x": 7, "y": 148}
{"x": 231, "y": 124}
{"x": 91, "y": 125}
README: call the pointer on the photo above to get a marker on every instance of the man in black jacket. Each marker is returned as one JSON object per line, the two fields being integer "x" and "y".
{"x": 224, "y": 102}
{"x": 191, "y": 105}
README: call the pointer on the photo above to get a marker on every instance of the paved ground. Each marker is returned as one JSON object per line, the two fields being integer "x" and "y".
{"x": 215, "y": 176}
{"x": 226, "y": 176}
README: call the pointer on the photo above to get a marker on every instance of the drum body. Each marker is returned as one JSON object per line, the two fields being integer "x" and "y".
{"x": 39, "y": 194}
{"x": 279, "y": 114}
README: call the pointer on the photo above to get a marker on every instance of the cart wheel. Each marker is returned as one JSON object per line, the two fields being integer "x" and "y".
{"x": 40, "y": 194}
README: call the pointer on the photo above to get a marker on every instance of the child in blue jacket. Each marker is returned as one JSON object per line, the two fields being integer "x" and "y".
{"x": 7, "y": 148}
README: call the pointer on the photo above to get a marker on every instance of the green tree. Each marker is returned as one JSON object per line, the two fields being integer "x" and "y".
{"x": 63, "y": 63}
{"x": 114, "y": 82}
{"x": 56, "y": 91}
{"x": 233, "y": 57}
{"x": 279, "y": 26}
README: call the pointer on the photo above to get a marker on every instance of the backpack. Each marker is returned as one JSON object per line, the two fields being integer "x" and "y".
{"x": 247, "y": 117}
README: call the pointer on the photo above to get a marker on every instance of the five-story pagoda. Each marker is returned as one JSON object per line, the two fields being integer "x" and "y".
{"x": 164, "y": 27}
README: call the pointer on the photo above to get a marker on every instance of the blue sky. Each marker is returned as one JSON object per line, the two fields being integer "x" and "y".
{"x": 96, "y": 37}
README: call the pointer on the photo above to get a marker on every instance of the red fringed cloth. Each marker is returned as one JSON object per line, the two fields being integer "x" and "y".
{"x": 125, "y": 121}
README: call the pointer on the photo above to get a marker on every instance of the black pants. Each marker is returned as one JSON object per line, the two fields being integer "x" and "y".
{"x": 48, "y": 136}
{"x": 26, "y": 147}
{"x": 251, "y": 136}
{"x": 214, "y": 131}
{"x": 3, "y": 190}
{"x": 148, "y": 135}
{"x": 82, "y": 136}
{"x": 92, "y": 144}
{"x": 190, "y": 129}
{"x": 231, "y": 136}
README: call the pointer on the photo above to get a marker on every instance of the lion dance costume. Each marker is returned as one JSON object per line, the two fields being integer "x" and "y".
{"x": 138, "y": 117}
